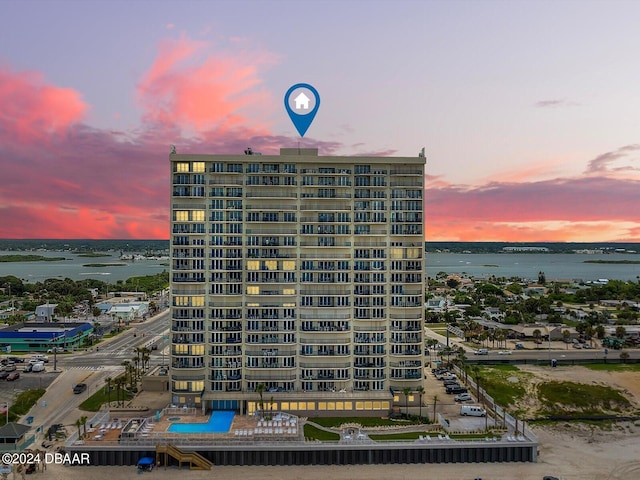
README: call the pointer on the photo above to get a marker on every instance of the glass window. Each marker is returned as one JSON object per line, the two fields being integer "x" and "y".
{"x": 198, "y": 167}
{"x": 181, "y": 215}
{"x": 182, "y": 167}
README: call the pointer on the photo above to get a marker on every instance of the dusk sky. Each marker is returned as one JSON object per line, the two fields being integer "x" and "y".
{"x": 529, "y": 110}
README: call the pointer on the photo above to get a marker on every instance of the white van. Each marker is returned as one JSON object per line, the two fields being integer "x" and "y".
{"x": 472, "y": 411}
{"x": 38, "y": 367}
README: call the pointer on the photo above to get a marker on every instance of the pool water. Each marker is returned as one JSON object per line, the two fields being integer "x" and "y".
{"x": 219, "y": 422}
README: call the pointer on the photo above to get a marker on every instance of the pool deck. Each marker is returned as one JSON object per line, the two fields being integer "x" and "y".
{"x": 243, "y": 428}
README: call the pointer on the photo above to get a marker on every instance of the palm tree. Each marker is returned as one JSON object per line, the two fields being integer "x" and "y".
{"x": 129, "y": 370}
{"x": 144, "y": 354}
{"x": 108, "y": 382}
{"x": 145, "y": 358}
{"x": 588, "y": 333}
{"x": 420, "y": 391}
{"x": 119, "y": 384}
{"x": 476, "y": 376}
{"x": 260, "y": 389}
{"x": 83, "y": 422}
{"x": 537, "y": 335}
{"x": 435, "y": 403}
{"x": 78, "y": 423}
{"x": 136, "y": 361}
{"x": 624, "y": 356}
{"x": 406, "y": 391}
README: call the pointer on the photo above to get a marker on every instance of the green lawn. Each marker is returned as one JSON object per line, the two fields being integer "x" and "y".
{"x": 314, "y": 433}
{"x": 335, "y": 422}
{"x": 614, "y": 367}
{"x": 95, "y": 401}
{"x": 567, "y": 398}
{"x": 23, "y": 404}
{"x": 496, "y": 380}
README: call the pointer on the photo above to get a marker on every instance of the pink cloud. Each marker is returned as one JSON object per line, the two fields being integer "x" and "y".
{"x": 62, "y": 178}
{"x": 570, "y": 209}
{"x": 189, "y": 87}
{"x": 75, "y": 181}
{"x": 605, "y": 164}
{"x": 34, "y": 110}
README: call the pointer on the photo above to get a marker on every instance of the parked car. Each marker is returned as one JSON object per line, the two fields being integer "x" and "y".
{"x": 13, "y": 376}
{"x": 16, "y": 359}
{"x": 28, "y": 368}
{"x": 577, "y": 345}
{"x": 40, "y": 358}
{"x": 37, "y": 367}
{"x": 519, "y": 346}
{"x": 79, "y": 388}
{"x": 449, "y": 376}
{"x": 441, "y": 374}
{"x": 456, "y": 389}
{"x": 472, "y": 410}
{"x": 462, "y": 397}
{"x": 4, "y": 374}
{"x": 10, "y": 367}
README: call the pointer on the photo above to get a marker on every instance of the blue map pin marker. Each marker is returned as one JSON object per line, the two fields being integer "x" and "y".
{"x": 302, "y": 116}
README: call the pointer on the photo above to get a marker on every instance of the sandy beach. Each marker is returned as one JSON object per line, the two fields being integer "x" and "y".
{"x": 567, "y": 452}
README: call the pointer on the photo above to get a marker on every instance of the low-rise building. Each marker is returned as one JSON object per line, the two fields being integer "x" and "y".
{"x": 42, "y": 336}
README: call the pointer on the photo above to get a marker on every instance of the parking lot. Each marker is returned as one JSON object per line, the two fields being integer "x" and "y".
{"x": 10, "y": 390}
{"x": 449, "y": 408}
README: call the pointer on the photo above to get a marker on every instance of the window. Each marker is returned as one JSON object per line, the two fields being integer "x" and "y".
{"x": 181, "y": 215}
{"x": 198, "y": 167}
{"x": 182, "y": 167}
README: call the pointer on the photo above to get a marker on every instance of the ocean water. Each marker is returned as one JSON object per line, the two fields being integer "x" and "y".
{"x": 72, "y": 267}
{"x": 555, "y": 266}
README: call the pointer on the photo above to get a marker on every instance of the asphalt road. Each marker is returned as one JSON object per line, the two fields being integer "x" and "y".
{"x": 59, "y": 404}
{"x": 116, "y": 350}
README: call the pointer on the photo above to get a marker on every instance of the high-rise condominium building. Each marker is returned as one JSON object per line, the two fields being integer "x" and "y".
{"x": 297, "y": 281}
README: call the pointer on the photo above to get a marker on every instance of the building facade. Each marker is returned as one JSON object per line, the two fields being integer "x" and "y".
{"x": 297, "y": 277}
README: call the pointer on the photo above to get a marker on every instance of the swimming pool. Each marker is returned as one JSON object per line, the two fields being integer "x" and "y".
{"x": 219, "y": 422}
